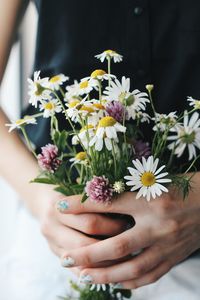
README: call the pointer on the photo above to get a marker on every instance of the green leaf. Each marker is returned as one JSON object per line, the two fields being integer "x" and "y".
{"x": 62, "y": 141}
{"x": 63, "y": 190}
{"x": 43, "y": 180}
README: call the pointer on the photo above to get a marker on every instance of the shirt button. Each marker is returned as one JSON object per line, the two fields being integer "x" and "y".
{"x": 138, "y": 10}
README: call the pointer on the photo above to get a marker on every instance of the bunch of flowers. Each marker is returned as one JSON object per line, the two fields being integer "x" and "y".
{"x": 106, "y": 116}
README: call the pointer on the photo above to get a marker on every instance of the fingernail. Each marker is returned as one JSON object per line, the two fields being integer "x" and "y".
{"x": 68, "y": 262}
{"x": 118, "y": 286}
{"x": 87, "y": 279}
{"x": 62, "y": 205}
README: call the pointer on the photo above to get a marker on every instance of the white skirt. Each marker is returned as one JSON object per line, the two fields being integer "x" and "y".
{"x": 31, "y": 272}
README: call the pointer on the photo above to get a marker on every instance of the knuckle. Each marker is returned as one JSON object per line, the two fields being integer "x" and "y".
{"x": 137, "y": 271}
{"x": 91, "y": 224}
{"x": 173, "y": 228}
{"x": 121, "y": 248}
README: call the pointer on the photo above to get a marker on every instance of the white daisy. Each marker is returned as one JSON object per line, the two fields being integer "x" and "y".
{"x": 136, "y": 102}
{"x": 99, "y": 75}
{"x": 57, "y": 80}
{"x": 73, "y": 110}
{"x": 193, "y": 102}
{"x": 109, "y": 54}
{"x": 188, "y": 136}
{"x": 164, "y": 121}
{"x": 85, "y": 135}
{"x": 38, "y": 89}
{"x": 50, "y": 107}
{"x": 20, "y": 122}
{"x": 80, "y": 158}
{"x": 142, "y": 116}
{"x": 106, "y": 133}
{"x": 146, "y": 178}
{"x": 73, "y": 91}
{"x": 86, "y": 86}
{"x": 118, "y": 90}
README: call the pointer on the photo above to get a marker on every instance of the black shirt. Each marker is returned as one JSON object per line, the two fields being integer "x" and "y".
{"x": 160, "y": 42}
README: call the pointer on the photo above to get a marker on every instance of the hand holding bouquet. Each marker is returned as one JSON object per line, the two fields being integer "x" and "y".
{"x": 106, "y": 153}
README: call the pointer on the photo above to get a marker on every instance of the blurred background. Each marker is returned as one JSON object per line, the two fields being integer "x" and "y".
{"x": 13, "y": 96}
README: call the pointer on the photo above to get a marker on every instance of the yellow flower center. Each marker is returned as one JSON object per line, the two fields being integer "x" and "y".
{"x": 81, "y": 156}
{"x": 55, "y": 79}
{"x": 89, "y": 109}
{"x": 74, "y": 103}
{"x": 148, "y": 179}
{"x": 197, "y": 104}
{"x": 49, "y": 106}
{"x": 19, "y": 122}
{"x": 84, "y": 84}
{"x": 39, "y": 90}
{"x": 107, "y": 122}
{"x": 97, "y": 73}
{"x": 109, "y": 52}
{"x": 87, "y": 127}
{"x": 98, "y": 106}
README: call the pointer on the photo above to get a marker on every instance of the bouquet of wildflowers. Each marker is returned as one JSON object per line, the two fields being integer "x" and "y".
{"x": 105, "y": 152}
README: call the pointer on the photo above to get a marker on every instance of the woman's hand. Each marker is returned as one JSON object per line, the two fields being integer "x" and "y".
{"x": 67, "y": 232}
{"x": 167, "y": 229}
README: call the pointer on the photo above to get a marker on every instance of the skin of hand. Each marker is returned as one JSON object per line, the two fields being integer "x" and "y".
{"x": 167, "y": 231}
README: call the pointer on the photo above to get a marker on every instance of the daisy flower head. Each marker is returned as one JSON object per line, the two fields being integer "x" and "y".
{"x": 109, "y": 54}
{"x": 99, "y": 75}
{"x": 50, "y": 107}
{"x": 57, "y": 80}
{"x": 80, "y": 158}
{"x": 135, "y": 103}
{"x": 164, "y": 121}
{"x": 86, "y": 86}
{"x": 187, "y": 136}
{"x": 106, "y": 132}
{"x": 146, "y": 178}
{"x": 84, "y": 136}
{"x": 73, "y": 91}
{"x": 193, "y": 102}
{"x": 73, "y": 109}
{"x": 118, "y": 90}
{"x": 21, "y": 122}
{"x": 38, "y": 89}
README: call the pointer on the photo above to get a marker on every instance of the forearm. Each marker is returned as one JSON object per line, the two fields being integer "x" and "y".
{"x": 18, "y": 166}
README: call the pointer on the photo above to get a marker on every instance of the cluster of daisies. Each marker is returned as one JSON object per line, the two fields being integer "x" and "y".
{"x": 105, "y": 115}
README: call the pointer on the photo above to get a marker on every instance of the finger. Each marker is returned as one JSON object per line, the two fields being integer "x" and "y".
{"x": 124, "y": 203}
{"x": 148, "y": 278}
{"x": 94, "y": 224}
{"x": 128, "y": 270}
{"x": 67, "y": 238}
{"x": 112, "y": 248}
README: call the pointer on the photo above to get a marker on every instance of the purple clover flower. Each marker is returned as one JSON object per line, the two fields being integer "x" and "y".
{"x": 116, "y": 110}
{"x": 48, "y": 159}
{"x": 141, "y": 149}
{"x": 99, "y": 189}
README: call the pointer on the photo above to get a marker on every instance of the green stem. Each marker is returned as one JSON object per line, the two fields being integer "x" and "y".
{"x": 114, "y": 158}
{"x": 28, "y": 141}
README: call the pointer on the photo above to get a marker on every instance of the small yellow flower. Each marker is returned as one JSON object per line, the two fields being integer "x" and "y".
{"x": 84, "y": 84}
{"x": 95, "y": 74}
{"x": 81, "y": 155}
{"x": 74, "y": 103}
{"x": 107, "y": 122}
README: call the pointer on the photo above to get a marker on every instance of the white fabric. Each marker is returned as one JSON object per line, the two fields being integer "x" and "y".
{"x": 31, "y": 272}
